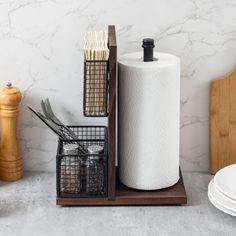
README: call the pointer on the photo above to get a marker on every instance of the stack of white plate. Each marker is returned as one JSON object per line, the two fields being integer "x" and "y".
{"x": 222, "y": 190}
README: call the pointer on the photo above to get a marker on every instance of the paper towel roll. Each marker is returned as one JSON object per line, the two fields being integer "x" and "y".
{"x": 149, "y": 98}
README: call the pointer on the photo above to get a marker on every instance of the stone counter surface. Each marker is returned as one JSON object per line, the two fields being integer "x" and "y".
{"x": 28, "y": 207}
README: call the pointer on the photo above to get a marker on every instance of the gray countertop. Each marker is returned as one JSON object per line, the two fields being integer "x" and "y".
{"x": 27, "y": 207}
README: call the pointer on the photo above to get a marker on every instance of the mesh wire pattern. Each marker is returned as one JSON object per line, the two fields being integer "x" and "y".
{"x": 83, "y": 175}
{"x": 95, "y": 88}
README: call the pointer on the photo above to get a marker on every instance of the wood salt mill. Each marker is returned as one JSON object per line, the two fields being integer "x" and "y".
{"x": 11, "y": 164}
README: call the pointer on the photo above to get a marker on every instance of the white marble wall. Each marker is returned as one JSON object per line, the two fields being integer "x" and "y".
{"x": 41, "y": 53}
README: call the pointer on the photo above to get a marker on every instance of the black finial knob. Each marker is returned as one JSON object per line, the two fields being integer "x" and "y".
{"x": 9, "y": 85}
{"x": 148, "y": 45}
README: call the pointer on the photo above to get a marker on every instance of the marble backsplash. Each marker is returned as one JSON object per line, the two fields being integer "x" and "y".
{"x": 41, "y": 44}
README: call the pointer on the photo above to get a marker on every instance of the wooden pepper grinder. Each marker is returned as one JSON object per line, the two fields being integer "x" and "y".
{"x": 11, "y": 163}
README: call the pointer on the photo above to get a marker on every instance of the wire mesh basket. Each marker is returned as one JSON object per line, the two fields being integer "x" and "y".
{"x": 95, "y": 88}
{"x": 83, "y": 174}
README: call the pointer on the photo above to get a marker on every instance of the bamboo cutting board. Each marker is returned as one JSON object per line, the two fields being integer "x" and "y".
{"x": 222, "y": 122}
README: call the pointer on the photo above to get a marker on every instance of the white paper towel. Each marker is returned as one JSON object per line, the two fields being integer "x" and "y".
{"x": 149, "y": 98}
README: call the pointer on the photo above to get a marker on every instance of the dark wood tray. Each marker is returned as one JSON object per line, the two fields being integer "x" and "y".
{"x": 124, "y": 196}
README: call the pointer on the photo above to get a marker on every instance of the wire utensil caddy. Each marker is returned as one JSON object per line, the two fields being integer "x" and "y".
{"x": 83, "y": 174}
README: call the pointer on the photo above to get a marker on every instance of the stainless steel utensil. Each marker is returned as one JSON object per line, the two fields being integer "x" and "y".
{"x": 57, "y": 129}
{"x": 47, "y": 110}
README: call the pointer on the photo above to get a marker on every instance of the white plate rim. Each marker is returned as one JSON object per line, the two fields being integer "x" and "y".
{"x": 218, "y": 205}
{"x": 220, "y": 198}
{"x": 219, "y": 188}
{"x": 225, "y": 196}
{"x": 220, "y": 208}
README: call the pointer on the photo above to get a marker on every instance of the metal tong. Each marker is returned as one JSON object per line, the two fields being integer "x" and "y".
{"x": 56, "y": 125}
{"x": 47, "y": 110}
{"x": 55, "y": 128}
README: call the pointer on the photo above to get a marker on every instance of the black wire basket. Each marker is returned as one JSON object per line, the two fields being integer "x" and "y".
{"x": 95, "y": 88}
{"x": 83, "y": 174}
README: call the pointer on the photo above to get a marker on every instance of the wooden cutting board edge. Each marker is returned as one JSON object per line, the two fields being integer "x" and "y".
{"x": 222, "y": 122}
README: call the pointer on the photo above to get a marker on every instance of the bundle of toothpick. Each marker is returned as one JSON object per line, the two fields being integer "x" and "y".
{"x": 96, "y": 56}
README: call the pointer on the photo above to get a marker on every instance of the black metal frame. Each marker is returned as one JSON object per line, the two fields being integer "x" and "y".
{"x": 95, "y": 71}
{"x": 87, "y": 135}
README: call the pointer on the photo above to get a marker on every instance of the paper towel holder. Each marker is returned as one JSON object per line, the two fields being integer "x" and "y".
{"x": 117, "y": 193}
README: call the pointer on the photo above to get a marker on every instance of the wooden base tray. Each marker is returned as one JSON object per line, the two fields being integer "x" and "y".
{"x": 175, "y": 195}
